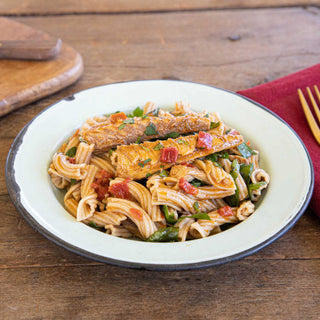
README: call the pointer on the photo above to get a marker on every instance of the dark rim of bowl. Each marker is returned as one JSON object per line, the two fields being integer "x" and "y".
{"x": 14, "y": 193}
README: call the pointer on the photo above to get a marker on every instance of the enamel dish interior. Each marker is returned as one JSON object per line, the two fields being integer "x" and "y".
{"x": 282, "y": 153}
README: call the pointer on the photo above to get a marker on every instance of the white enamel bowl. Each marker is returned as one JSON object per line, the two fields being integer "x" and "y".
{"x": 283, "y": 156}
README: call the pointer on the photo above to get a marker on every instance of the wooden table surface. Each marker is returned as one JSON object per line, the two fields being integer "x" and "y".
{"x": 230, "y": 44}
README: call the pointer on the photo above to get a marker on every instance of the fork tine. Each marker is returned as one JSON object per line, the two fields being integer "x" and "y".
{"x": 316, "y": 108}
{"x": 311, "y": 121}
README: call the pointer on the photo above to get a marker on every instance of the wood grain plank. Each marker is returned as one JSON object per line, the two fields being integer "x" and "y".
{"x": 19, "y": 7}
{"x": 193, "y": 46}
{"x": 240, "y": 290}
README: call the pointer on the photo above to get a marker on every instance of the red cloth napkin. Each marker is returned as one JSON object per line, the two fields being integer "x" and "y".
{"x": 281, "y": 97}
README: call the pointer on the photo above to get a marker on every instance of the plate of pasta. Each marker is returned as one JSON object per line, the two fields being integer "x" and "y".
{"x": 159, "y": 174}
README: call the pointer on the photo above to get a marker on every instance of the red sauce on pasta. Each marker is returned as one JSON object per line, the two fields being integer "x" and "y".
{"x": 137, "y": 214}
{"x": 72, "y": 160}
{"x": 204, "y": 140}
{"x": 225, "y": 211}
{"x": 169, "y": 155}
{"x": 101, "y": 183}
{"x": 187, "y": 187}
{"x": 121, "y": 189}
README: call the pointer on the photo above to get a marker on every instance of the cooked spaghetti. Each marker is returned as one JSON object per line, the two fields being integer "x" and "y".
{"x": 159, "y": 175}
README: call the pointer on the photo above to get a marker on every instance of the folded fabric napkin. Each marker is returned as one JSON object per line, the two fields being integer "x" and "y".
{"x": 281, "y": 97}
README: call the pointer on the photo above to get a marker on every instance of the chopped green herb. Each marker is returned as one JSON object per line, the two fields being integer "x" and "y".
{"x": 137, "y": 112}
{"x": 145, "y": 148}
{"x": 143, "y": 163}
{"x": 82, "y": 140}
{"x": 228, "y": 131}
{"x": 151, "y": 130}
{"x": 111, "y": 151}
{"x": 93, "y": 225}
{"x": 73, "y": 181}
{"x": 169, "y": 217}
{"x": 145, "y": 116}
{"x": 172, "y": 135}
{"x": 181, "y": 141}
{"x": 130, "y": 120}
{"x": 207, "y": 115}
{"x": 110, "y": 114}
{"x": 163, "y": 173}
{"x": 148, "y": 175}
{"x": 158, "y": 146}
{"x": 197, "y": 183}
{"x": 138, "y": 140}
{"x": 201, "y": 215}
{"x": 122, "y": 126}
{"x": 154, "y": 112}
{"x": 196, "y": 206}
{"x": 165, "y": 235}
{"x": 71, "y": 152}
{"x": 214, "y": 125}
{"x": 245, "y": 150}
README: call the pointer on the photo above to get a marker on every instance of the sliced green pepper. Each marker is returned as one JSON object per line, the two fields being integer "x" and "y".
{"x": 168, "y": 216}
{"x": 169, "y": 234}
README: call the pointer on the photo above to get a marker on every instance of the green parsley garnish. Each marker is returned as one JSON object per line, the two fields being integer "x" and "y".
{"x": 143, "y": 163}
{"x": 122, "y": 126}
{"x": 172, "y": 135}
{"x": 82, "y": 140}
{"x": 181, "y": 141}
{"x": 71, "y": 152}
{"x": 130, "y": 120}
{"x": 196, "y": 206}
{"x": 158, "y": 146}
{"x": 138, "y": 140}
{"x": 145, "y": 148}
{"x": 137, "y": 112}
{"x": 73, "y": 181}
{"x": 214, "y": 125}
{"x": 151, "y": 130}
{"x": 163, "y": 173}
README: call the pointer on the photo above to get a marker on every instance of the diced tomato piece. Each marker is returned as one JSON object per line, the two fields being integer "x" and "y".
{"x": 120, "y": 116}
{"x": 204, "y": 140}
{"x": 234, "y": 133}
{"x": 225, "y": 211}
{"x": 72, "y": 160}
{"x": 248, "y": 143}
{"x": 120, "y": 189}
{"x": 187, "y": 187}
{"x": 101, "y": 183}
{"x": 136, "y": 213}
{"x": 169, "y": 155}
{"x": 187, "y": 164}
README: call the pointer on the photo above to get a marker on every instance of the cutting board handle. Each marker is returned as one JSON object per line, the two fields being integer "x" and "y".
{"x": 30, "y": 49}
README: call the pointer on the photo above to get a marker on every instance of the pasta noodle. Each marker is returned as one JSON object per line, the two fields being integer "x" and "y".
{"x": 154, "y": 175}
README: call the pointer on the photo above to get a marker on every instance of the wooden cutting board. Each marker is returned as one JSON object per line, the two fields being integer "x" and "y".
{"x": 25, "y": 81}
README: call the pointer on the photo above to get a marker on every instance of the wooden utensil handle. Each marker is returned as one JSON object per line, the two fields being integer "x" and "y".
{"x": 30, "y": 49}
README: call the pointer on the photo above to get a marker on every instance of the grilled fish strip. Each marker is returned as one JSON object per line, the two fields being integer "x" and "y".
{"x": 108, "y": 135}
{"x": 138, "y": 160}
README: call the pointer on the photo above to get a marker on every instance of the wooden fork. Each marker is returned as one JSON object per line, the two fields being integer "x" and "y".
{"x": 309, "y": 116}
